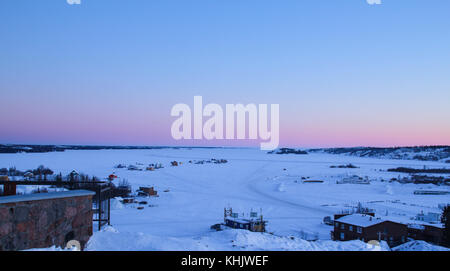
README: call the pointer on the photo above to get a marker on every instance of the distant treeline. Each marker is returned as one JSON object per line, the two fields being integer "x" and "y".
{"x": 432, "y": 153}
{"x": 381, "y": 150}
{"x": 345, "y": 166}
{"x": 288, "y": 151}
{"x": 61, "y": 148}
{"x": 414, "y": 170}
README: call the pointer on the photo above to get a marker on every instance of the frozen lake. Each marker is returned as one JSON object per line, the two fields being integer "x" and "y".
{"x": 252, "y": 179}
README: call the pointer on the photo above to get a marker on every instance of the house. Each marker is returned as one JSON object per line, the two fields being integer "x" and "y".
{"x": 365, "y": 228}
{"x": 28, "y": 175}
{"x": 428, "y": 233}
{"x": 429, "y": 217}
{"x": 4, "y": 178}
{"x": 355, "y": 179}
{"x": 9, "y": 188}
{"x": 174, "y": 163}
{"x": 252, "y": 223}
{"x": 147, "y": 191}
{"x": 133, "y": 167}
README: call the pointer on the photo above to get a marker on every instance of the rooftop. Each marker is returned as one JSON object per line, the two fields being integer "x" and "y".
{"x": 360, "y": 220}
{"x": 45, "y": 196}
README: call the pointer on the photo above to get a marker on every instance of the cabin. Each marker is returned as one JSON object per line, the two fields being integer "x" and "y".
{"x": 28, "y": 175}
{"x": 252, "y": 223}
{"x": 355, "y": 179}
{"x": 147, "y": 191}
{"x": 366, "y": 228}
{"x": 174, "y": 163}
{"x": 4, "y": 178}
{"x": 9, "y": 188}
{"x": 133, "y": 167}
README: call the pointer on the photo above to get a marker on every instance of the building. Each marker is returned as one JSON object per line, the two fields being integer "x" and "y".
{"x": 46, "y": 219}
{"x": 147, "y": 191}
{"x": 428, "y": 233}
{"x": 253, "y": 223}
{"x": 354, "y": 180}
{"x": 429, "y": 217}
{"x": 366, "y": 227}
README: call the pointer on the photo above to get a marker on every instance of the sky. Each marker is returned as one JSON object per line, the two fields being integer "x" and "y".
{"x": 344, "y": 73}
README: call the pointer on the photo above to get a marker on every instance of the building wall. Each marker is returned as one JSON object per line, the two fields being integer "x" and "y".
{"x": 40, "y": 223}
{"x": 428, "y": 233}
{"x": 350, "y": 232}
{"x": 391, "y": 232}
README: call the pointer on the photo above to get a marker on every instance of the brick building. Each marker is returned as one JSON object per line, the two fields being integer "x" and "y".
{"x": 45, "y": 220}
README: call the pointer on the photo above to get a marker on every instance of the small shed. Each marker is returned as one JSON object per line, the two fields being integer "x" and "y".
{"x": 149, "y": 191}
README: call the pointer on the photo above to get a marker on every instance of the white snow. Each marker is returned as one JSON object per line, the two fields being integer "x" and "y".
{"x": 227, "y": 240}
{"x": 360, "y": 220}
{"x": 419, "y": 246}
{"x": 252, "y": 179}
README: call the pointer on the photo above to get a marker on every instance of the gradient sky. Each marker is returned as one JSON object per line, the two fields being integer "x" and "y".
{"x": 345, "y": 73}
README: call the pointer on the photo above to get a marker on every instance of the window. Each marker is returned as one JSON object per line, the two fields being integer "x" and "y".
{"x": 359, "y": 229}
{"x": 336, "y": 224}
{"x": 350, "y": 228}
{"x": 342, "y": 227}
{"x": 342, "y": 236}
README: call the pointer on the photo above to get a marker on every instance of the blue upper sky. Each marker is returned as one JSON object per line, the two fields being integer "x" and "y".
{"x": 108, "y": 71}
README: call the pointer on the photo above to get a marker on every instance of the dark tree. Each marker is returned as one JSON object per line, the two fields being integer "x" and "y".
{"x": 446, "y": 221}
{"x": 59, "y": 177}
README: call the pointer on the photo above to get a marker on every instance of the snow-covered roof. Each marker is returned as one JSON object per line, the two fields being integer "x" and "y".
{"x": 360, "y": 220}
{"x": 45, "y": 196}
{"x": 416, "y": 226}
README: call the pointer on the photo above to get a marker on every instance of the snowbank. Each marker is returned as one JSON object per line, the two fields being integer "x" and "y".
{"x": 112, "y": 240}
{"x": 116, "y": 203}
{"x": 419, "y": 246}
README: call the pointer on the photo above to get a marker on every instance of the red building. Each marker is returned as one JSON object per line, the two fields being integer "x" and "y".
{"x": 365, "y": 228}
{"x": 428, "y": 233}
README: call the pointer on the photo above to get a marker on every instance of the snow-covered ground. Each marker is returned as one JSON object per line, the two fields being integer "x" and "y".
{"x": 180, "y": 219}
